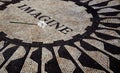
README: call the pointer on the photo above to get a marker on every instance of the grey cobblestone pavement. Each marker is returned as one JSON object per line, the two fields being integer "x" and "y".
{"x": 81, "y": 36}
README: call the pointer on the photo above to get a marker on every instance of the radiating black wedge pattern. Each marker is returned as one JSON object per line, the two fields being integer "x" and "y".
{"x": 98, "y": 48}
{"x": 16, "y": 65}
{"x": 52, "y": 65}
{"x": 65, "y": 54}
{"x": 37, "y": 55}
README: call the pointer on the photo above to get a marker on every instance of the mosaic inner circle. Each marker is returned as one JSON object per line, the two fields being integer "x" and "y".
{"x": 64, "y": 19}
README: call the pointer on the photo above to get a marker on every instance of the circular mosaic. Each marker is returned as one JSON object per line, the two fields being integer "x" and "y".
{"x": 81, "y": 36}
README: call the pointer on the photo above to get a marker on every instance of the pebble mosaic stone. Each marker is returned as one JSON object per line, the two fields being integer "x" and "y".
{"x": 80, "y": 36}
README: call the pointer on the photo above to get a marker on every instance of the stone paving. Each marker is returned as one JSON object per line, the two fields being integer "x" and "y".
{"x": 81, "y": 36}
